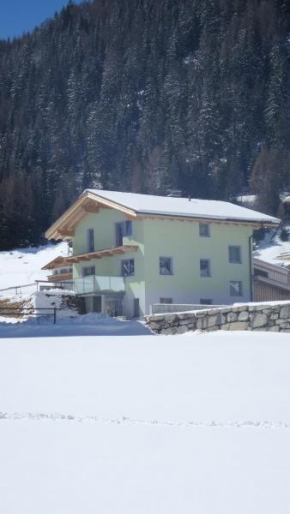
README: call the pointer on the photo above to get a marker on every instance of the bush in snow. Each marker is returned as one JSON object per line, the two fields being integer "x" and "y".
{"x": 284, "y": 234}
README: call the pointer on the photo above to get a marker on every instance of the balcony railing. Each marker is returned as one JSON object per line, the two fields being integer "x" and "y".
{"x": 97, "y": 284}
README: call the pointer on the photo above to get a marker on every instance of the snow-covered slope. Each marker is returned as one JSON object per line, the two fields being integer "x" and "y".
{"x": 271, "y": 248}
{"x": 23, "y": 266}
{"x": 145, "y": 425}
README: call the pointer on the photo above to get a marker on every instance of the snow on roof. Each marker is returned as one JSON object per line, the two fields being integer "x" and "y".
{"x": 185, "y": 207}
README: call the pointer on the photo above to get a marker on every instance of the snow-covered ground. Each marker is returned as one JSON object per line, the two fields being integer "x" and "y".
{"x": 145, "y": 425}
{"x": 23, "y": 266}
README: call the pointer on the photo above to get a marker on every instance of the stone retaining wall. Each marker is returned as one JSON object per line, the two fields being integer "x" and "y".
{"x": 272, "y": 317}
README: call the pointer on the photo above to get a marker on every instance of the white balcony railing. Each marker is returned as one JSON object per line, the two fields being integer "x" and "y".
{"x": 97, "y": 284}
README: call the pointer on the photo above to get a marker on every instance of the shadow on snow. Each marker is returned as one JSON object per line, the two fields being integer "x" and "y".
{"x": 35, "y": 328}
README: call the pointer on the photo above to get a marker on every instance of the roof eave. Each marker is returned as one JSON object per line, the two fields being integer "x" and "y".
{"x": 243, "y": 221}
{"x": 61, "y": 228}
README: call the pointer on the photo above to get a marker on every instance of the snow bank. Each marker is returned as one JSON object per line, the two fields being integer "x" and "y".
{"x": 145, "y": 424}
{"x": 54, "y": 299}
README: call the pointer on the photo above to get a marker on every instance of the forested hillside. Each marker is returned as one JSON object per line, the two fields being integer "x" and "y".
{"x": 147, "y": 96}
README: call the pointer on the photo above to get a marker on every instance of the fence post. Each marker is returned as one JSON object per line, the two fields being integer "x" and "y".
{"x": 54, "y": 315}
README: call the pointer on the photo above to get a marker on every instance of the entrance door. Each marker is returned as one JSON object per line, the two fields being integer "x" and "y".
{"x": 136, "y": 308}
{"x": 114, "y": 307}
{"x": 97, "y": 304}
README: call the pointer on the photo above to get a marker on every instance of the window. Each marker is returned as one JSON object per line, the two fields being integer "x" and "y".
{"x": 204, "y": 230}
{"x": 90, "y": 240}
{"x": 260, "y": 273}
{"x": 63, "y": 271}
{"x": 88, "y": 270}
{"x": 204, "y": 267}
{"x": 236, "y": 288}
{"x": 127, "y": 267}
{"x": 123, "y": 229}
{"x": 166, "y": 300}
{"x": 205, "y": 301}
{"x": 165, "y": 266}
{"x": 235, "y": 254}
{"x": 129, "y": 229}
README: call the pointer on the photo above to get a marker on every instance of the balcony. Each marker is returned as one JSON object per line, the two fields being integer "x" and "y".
{"x": 60, "y": 277}
{"x": 59, "y": 262}
{"x": 93, "y": 284}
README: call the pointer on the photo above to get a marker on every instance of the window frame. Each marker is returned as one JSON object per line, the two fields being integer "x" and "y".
{"x": 207, "y": 231}
{"x": 240, "y": 293}
{"x": 164, "y": 267}
{"x": 231, "y": 261}
{"x": 123, "y": 229}
{"x": 131, "y": 272}
{"x": 209, "y": 268}
{"x": 90, "y": 232}
{"x": 91, "y": 268}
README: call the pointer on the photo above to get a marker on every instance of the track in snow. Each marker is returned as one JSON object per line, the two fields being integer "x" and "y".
{"x": 29, "y": 416}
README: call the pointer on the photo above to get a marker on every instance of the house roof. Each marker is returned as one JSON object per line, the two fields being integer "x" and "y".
{"x": 184, "y": 207}
{"x": 140, "y": 205}
{"x": 278, "y": 268}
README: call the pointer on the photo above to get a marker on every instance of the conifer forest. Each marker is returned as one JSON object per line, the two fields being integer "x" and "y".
{"x": 145, "y": 96}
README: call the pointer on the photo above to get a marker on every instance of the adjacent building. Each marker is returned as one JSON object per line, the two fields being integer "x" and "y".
{"x": 271, "y": 281}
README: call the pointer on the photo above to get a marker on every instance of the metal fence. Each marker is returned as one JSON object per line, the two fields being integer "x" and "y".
{"x": 39, "y": 285}
{"x": 21, "y": 312}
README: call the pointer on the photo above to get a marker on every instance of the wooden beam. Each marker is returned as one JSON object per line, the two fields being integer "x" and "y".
{"x": 74, "y": 259}
{"x": 76, "y": 218}
{"x": 110, "y": 203}
{"x": 91, "y": 208}
{"x": 66, "y": 233}
{"x": 55, "y": 263}
{"x": 60, "y": 277}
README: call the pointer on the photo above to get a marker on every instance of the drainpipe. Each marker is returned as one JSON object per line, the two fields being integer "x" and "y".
{"x": 251, "y": 267}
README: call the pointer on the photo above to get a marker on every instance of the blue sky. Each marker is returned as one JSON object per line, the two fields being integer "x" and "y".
{"x": 18, "y": 16}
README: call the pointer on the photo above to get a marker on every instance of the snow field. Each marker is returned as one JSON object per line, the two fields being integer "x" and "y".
{"x": 65, "y": 468}
{"x": 145, "y": 424}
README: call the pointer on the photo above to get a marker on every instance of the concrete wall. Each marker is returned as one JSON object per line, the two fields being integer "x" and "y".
{"x": 275, "y": 318}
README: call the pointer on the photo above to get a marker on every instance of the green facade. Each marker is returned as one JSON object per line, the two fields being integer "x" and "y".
{"x": 178, "y": 240}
